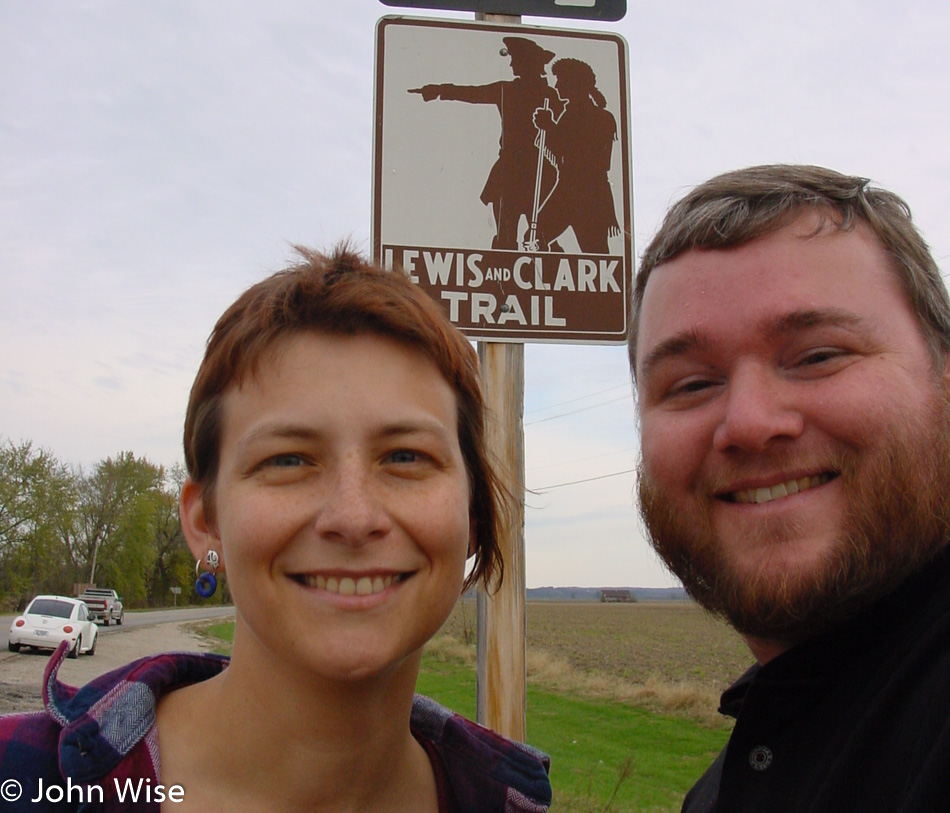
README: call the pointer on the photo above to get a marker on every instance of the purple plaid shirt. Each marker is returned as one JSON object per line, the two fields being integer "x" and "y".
{"x": 96, "y": 748}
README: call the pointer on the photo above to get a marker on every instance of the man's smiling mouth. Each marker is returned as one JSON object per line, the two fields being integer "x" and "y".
{"x": 779, "y": 490}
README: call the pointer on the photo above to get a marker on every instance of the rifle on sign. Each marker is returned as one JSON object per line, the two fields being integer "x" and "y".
{"x": 531, "y": 244}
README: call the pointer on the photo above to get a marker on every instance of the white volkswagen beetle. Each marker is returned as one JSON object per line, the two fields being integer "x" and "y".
{"x": 49, "y": 620}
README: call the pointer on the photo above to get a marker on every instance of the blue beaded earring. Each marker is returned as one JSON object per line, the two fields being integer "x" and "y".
{"x": 207, "y": 583}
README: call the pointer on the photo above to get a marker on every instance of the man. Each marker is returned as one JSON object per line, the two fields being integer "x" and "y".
{"x": 791, "y": 353}
{"x": 509, "y": 189}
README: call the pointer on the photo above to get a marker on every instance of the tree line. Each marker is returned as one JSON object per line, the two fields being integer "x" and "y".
{"x": 114, "y": 526}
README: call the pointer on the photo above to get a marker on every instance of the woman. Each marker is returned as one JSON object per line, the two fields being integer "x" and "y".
{"x": 580, "y": 144}
{"x": 337, "y": 474}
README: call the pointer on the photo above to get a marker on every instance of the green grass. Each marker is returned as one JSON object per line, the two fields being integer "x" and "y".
{"x": 607, "y": 757}
{"x": 220, "y": 632}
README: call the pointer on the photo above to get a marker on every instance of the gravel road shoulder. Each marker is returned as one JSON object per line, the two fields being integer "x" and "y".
{"x": 21, "y": 674}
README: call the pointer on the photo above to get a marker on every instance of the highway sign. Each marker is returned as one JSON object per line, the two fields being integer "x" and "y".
{"x": 502, "y": 180}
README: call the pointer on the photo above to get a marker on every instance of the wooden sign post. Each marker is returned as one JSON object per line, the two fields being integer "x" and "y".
{"x": 501, "y": 671}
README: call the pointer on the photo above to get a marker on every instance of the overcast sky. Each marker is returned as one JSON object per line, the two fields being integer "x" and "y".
{"x": 157, "y": 157}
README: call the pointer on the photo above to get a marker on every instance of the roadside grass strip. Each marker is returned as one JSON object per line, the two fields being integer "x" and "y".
{"x": 220, "y": 633}
{"x": 607, "y": 756}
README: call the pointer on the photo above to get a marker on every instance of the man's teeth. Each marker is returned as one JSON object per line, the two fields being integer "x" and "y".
{"x": 345, "y": 586}
{"x": 758, "y": 495}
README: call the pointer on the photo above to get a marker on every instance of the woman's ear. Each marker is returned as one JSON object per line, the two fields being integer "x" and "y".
{"x": 200, "y": 533}
{"x": 472, "y": 537}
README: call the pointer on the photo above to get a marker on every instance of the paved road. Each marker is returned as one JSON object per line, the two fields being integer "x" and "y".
{"x": 134, "y": 620}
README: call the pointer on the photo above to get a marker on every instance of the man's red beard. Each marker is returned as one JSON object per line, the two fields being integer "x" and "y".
{"x": 897, "y": 517}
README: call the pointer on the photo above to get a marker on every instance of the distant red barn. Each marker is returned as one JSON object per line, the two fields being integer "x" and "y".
{"x": 616, "y": 595}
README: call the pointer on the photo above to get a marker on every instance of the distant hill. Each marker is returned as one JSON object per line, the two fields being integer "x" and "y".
{"x": 593, "y": 593}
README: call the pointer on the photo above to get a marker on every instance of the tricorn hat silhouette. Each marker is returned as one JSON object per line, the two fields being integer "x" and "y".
{"x": 528, "y": 49}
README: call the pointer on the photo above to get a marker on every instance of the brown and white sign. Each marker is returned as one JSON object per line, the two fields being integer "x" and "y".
{"x": 502, "y": 181}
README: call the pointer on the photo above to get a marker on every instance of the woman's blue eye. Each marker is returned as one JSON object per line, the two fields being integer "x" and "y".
{"x": 404, "y": 456}
{"x": 286, "y": 460}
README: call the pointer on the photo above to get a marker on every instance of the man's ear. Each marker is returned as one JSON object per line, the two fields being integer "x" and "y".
{"x": 200, "y": 533}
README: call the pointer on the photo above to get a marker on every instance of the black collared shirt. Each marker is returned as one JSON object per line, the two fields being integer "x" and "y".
{"x": 857, "y": 720}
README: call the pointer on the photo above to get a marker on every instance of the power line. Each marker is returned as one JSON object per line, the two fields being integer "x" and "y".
{"x": 587, "y": 480}
{"x": 575, "y": 411}
{"x": 579, "y": 398}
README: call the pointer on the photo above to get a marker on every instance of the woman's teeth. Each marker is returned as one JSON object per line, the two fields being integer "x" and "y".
{"x": 345, "y": 586}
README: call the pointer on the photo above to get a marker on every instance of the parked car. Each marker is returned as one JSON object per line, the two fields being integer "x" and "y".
{"x": 104, "y": 605}
{"x": 49, "y": 620}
